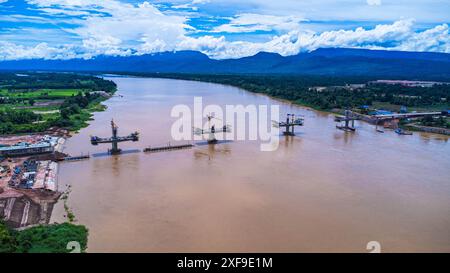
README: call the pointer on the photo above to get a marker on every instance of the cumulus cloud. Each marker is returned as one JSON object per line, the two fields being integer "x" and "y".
{"x": 397, "y": 36}
{"x": 380, "y": 35}
{"x": 118, "y": 28}
{"x": 11, "y": 51}
{"x": 436, "y": 39}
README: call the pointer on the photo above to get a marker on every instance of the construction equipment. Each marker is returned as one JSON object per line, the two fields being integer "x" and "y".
{"x": 114, "y": 139}
{"x": 211, "y": 131}
{"x": 289, "y": 124}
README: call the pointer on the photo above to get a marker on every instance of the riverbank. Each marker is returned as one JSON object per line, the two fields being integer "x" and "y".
{"x": 33, "y": 176}
{"x": 427, "y": 129}
{"x": 34, "y": 125}
{"x": 248, "y": 83}
{"x": 35, "y": 122}
{"x": 29, "y": 190}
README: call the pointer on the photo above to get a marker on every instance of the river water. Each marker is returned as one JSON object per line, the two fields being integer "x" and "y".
{"x": 323, "y": 190}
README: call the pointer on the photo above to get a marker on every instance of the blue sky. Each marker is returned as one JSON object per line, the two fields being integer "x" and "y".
{"x": 62, "y": 29}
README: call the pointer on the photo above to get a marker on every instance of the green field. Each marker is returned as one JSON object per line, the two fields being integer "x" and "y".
{"x": 40, "y": 93}
{"x": 21, "y": 100}
{"x": 25, "y": 108}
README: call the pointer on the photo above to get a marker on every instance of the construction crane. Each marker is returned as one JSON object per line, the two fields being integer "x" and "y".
{"x": 114, "y": 139}
{"x": 212, "y": 130}
{"x": 347, "y": 118}
{"x": 289, "y": 124}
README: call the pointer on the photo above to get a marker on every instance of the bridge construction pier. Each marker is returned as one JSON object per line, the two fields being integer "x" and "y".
{"x": 114, "y": 139}
{"x": 347, "y": 119}
{"x": 289, "y": 125}
{"x": 211, "y": 131}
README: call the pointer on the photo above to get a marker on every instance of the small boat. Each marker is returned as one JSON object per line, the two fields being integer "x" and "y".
{"x": 402, "y": 132}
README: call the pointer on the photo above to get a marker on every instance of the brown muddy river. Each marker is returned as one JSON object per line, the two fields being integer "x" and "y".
{"x": 323, "y": 190}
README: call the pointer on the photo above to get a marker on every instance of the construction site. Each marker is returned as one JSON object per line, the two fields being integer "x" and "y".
{"x": 28, "y": 178}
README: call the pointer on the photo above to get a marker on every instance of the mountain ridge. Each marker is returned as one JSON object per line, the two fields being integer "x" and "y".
{"x": 322, "y": 61}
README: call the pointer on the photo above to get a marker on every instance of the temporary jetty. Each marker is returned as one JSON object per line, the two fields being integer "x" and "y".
{"x": 76, "y": 158}
{"x": 168, "y": 148}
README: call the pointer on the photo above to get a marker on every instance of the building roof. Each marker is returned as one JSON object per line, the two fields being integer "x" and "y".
{"x": 26, "y": 146}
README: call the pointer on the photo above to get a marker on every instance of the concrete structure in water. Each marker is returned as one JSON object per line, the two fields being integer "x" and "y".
{"x": 114, "y": 139}
{"x": 211, "y": 131}
{"x": 349, "y": 117}
{"x": 289, "y": 125}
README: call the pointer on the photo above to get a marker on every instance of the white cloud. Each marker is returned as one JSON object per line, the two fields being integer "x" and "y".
{"x": 436, "y": 39}
{"x": 205, "y": 44}
{"x": 3, "y": 1}
{"x": 397, "y": 36}
{"x": 345, "y": 10}
{"x": 66, "y": 3}
{"x": 249, "y": 22}
{"x": 23, "y": 18}
{"x": 185, "y": 6}
{"x": 360, "y": 37}
{"x": 10, "y": 51}
{"x": 373, "y": 2}
{"x": 196, "y": 2}
{"x": 191, "y": 5}
{"x": 107, "y": 27}
{"x": 123, "y": 29}
{"x": 59, "y": 11}
{"x": 112, "y": 27}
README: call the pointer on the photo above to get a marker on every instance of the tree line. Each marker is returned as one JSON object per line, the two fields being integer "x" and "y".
{"x": 299, "y": 89}
{"x": 29, "y": 81}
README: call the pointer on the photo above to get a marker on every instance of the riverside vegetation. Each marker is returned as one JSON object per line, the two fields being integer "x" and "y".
{"x": 42, "y": 239}
{"x": 336, "y": 93}
{"x": 299, "y": 89}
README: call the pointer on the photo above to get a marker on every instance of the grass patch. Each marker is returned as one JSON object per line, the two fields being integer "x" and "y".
{"x": 42, "y": 93}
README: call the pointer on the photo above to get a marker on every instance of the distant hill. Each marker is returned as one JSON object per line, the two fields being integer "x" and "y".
{"x": 325, "y": 61}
